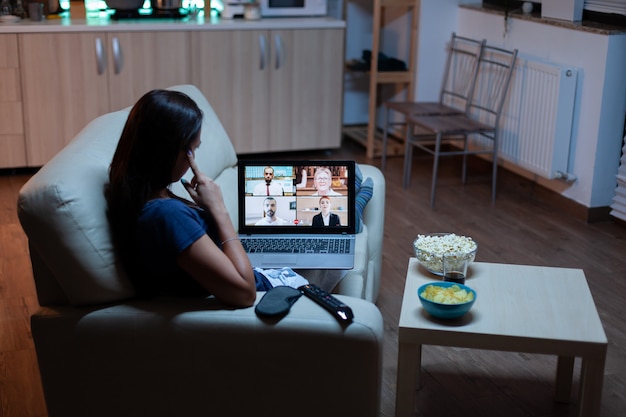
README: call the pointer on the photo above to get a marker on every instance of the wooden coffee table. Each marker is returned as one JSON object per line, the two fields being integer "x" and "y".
{"x": 511, "y": 313}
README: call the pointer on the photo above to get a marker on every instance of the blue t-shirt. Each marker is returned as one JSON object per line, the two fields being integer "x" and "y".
{"x": 164, "y": 229}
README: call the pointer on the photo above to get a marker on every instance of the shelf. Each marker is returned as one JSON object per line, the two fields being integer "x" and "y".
{"x": 393, "y": 77}
{"x": 385, "y": 77}
{"x": 371, "y": 136}
{"x": 397, "y": 3}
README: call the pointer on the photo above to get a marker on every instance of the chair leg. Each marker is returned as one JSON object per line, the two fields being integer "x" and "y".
{"x": 464, "y": 168}
{"x": 433, "y": 184}
{"x": 383, "y": 160}
{"x": 408, "y": 157}
{"x": 494, "y": 173}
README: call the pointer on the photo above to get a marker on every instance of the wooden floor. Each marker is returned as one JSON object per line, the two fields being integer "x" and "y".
{"x": 456, "y": 382}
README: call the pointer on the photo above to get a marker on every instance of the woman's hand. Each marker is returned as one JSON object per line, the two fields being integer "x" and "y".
{"x": 204, "y": 191}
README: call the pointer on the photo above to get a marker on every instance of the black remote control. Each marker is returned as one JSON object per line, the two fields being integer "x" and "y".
{"x": 338, "y": 309}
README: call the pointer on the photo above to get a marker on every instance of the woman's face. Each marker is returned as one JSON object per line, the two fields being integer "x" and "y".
{"x": 325, "y": 205}
{"x": 322, "y": 183}
{"x": 182, "y": 162}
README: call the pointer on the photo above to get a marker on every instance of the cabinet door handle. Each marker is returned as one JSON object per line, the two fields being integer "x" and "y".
{"x": 101, "y": 58}
{"x": 262, "y": 52}
{"x": 118, "y": 56}
{"x": 278, "y": 44}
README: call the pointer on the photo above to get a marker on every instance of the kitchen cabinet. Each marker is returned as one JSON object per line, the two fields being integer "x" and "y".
{"x": 62, "y": 88}
{"x": 71, "y": 78}
{"x": 142, "y": 61}
{"x": 273, "y": 90}
{"x": 276, "y": 84}
{"x": 12, "y": 147}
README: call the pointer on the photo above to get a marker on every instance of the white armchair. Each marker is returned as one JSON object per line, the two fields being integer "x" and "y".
{"x": 103, "y": 353}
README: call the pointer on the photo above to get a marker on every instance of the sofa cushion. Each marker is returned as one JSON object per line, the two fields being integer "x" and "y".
{"x": 216, "y": 153}
{"x": 62, "y": 208}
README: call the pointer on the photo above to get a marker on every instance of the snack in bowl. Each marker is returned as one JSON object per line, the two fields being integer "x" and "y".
{"x": 430, "y": 249}
{"x": 446, "y": 300}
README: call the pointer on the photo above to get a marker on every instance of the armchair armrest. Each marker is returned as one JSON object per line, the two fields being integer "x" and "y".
{"x": 365, "y": 282}
{"x": 374, "y": 218}
{"x": 198, "y": 358}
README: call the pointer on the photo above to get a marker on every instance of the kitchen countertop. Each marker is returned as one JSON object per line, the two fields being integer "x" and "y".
{"x": 66, "y": 24}
{"x": 583, "y": 26}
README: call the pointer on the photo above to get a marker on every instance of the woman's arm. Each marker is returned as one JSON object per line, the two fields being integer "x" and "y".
{"x": 225, "y": 273}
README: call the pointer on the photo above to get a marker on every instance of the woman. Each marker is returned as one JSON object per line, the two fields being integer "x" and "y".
{"x": 170, "y": 245}
{"x": 325, "y": 218}
{"x": 323, "y": 181}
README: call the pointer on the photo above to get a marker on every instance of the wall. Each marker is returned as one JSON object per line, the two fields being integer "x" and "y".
{"x": 601, "y": 93}
{"x": 438, "y": 19}
{"x": 358, "y": 16}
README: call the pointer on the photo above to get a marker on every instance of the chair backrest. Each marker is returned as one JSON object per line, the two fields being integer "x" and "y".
{"x": 495, "y": 69}
{"x": 460, "y": 72}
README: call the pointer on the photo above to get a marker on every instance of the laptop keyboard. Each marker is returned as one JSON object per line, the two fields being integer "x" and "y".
{"x": 297, "y": 245}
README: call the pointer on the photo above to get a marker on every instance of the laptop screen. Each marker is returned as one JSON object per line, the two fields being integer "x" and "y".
{"x": 301, "y": 197}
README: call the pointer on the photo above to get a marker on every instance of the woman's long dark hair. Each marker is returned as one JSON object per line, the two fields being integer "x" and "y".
{"x": 160, "y": 125}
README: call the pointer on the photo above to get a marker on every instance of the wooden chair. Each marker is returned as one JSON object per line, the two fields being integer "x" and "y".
{"x": 427, "y": 132}
{"x": 456, "y": 88}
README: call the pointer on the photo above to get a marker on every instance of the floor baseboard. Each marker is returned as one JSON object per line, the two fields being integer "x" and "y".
{"x": 539, "y": 193}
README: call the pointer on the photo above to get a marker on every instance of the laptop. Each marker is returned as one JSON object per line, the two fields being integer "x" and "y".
{"x": 297, "y": 214}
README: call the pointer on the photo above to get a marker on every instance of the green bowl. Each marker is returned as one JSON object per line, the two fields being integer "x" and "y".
{"x": 446, "y": 311}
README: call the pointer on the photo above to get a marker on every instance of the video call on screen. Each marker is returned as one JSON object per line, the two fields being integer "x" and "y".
{"x": 295, "y": 194}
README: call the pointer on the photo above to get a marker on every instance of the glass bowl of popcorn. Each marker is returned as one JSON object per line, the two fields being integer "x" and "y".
{"x": 430, "y": 249}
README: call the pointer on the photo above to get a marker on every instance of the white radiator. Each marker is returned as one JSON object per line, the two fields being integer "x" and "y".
{"x": 537, "y": 118}
{"x": 618, "y": 208}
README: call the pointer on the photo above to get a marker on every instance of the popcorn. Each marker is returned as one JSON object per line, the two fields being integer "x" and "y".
{"x": 430, "y": 249}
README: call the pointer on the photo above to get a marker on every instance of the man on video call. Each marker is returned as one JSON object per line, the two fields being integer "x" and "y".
{"x": 269, "y": 211}
{"x": 269, "y": 187}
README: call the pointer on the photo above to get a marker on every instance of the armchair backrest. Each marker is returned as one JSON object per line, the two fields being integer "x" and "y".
{"x": 62, "y": 209}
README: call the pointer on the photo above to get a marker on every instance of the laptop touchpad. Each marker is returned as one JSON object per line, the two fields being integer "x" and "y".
{"x": 280, "y": 259}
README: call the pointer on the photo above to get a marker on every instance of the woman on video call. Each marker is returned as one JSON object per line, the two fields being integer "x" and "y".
{"x": 323, "y": 181}
{"x": 326, "y": 218}
{"x": 170, "y": 245}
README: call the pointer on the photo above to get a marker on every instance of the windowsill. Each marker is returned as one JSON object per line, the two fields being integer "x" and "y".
{"x": 585, "y": 25}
